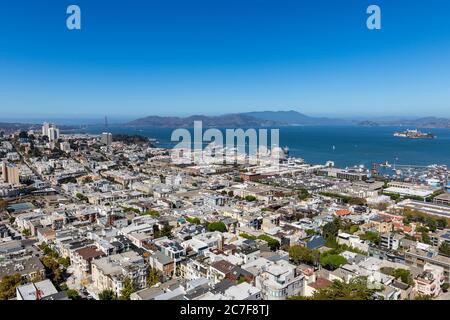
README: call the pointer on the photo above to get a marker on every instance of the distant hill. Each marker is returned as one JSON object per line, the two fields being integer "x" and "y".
{"x": 12, "y": 127}
{"x": 230, "y": 120}
{"x": 295, "y": 118}
{"x": 249, "y": 119}
{"x": 427, "y": 122}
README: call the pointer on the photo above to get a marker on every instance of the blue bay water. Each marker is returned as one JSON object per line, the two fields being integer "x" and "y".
{"x": 353, "y": 145}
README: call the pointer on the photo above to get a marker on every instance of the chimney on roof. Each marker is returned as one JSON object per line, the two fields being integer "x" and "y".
{"x": 39, "y": 293}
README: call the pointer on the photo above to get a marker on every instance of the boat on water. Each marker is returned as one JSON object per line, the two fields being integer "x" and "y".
{"x": 414, "y": 134}
{"x": 385, "y": 164}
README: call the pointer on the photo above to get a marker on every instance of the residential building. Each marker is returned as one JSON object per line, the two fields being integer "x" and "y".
{"x": 423, "y": 255}
{"x": 171, "y": 248}
{"x": 390, "y": 241}
{"x": 162, "y": 263}
{"x": 106, "y": 138}
{"x": 10, "y": 174}
{"x": 429, "y": 282}
{"x": 109, "y": 273}
{"x": 277, "y": 280}
{"x": 30, "y": 268}
{"x": 81, "y": 260}
{"x": 42, "y": 290}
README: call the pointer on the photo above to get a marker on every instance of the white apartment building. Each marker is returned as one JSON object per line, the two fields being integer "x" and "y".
{"x": 109, "y": 273}
{"x": 430, "y": 280}
{"x": 277, "y": 280}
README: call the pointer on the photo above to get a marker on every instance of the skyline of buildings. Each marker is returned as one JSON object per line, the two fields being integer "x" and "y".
{"x": 87, "y": 218}
{"x": 50, "y": 131}
{"x": 108, "y": 193}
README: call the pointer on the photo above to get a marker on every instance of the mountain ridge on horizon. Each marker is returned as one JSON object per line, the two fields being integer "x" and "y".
{"x": 284, "y": 118}
{"x": 256, "y": 118}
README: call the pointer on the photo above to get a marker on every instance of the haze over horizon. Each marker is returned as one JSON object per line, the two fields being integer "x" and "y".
{"x": 176, "y": 58}
{"x": 124, "y": 119}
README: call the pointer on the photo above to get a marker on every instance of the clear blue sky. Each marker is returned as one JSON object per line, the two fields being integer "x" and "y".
{"x": 166, "y": 57}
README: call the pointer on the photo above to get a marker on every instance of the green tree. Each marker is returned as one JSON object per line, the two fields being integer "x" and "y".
{"x": 127, "y": 290}
{"x": 73, "y": 294}
{"x": 331, "y": 229}
{"x": 52, "y": 267}
{"x": 332, "y": 261}
{"x": 46, "y": 249}
{"x": 82, "y": 197}
{"x": 444, "y": 249}
{"x": 65, "y": 262}
{"x": 357, "y": 288}
{"x": 441, "y": 223}
{"x": 404, "y": 275}
{"x": 107, "y": 295}
{"x": 431, "y": 224}
{"x": 425, "y": 237}
{"x": 371, "y": 236}
{"x": 421, "y": 229}
{"x": 248, "y": 236}
{"x": 273, "y": 244}
{"x": 350, "y": 228}
{"x": 303, "y": 194}
{"x": 8, "y": 286}
{"x": 152, "y": 277}
{"x": 152, "y": 213}
{"x": 241, "y": 280}
{"x": 300, "y": 254}
{"x": 394, "y": 196}
{"x": 165, "y": 232}
{"x": 357, "y": 201}
{"x": 250, "y": 198}
{"x": 331, "y": 242}
{"x": 194, "y": 220}
{"x": 217, "y": 226}
{"x": 129, "y": 209}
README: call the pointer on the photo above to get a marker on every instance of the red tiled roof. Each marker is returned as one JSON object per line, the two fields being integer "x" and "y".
{"x": 320, "y": 283}
{"x": 88, "y": 253}
{"x": 342, "y": 212}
